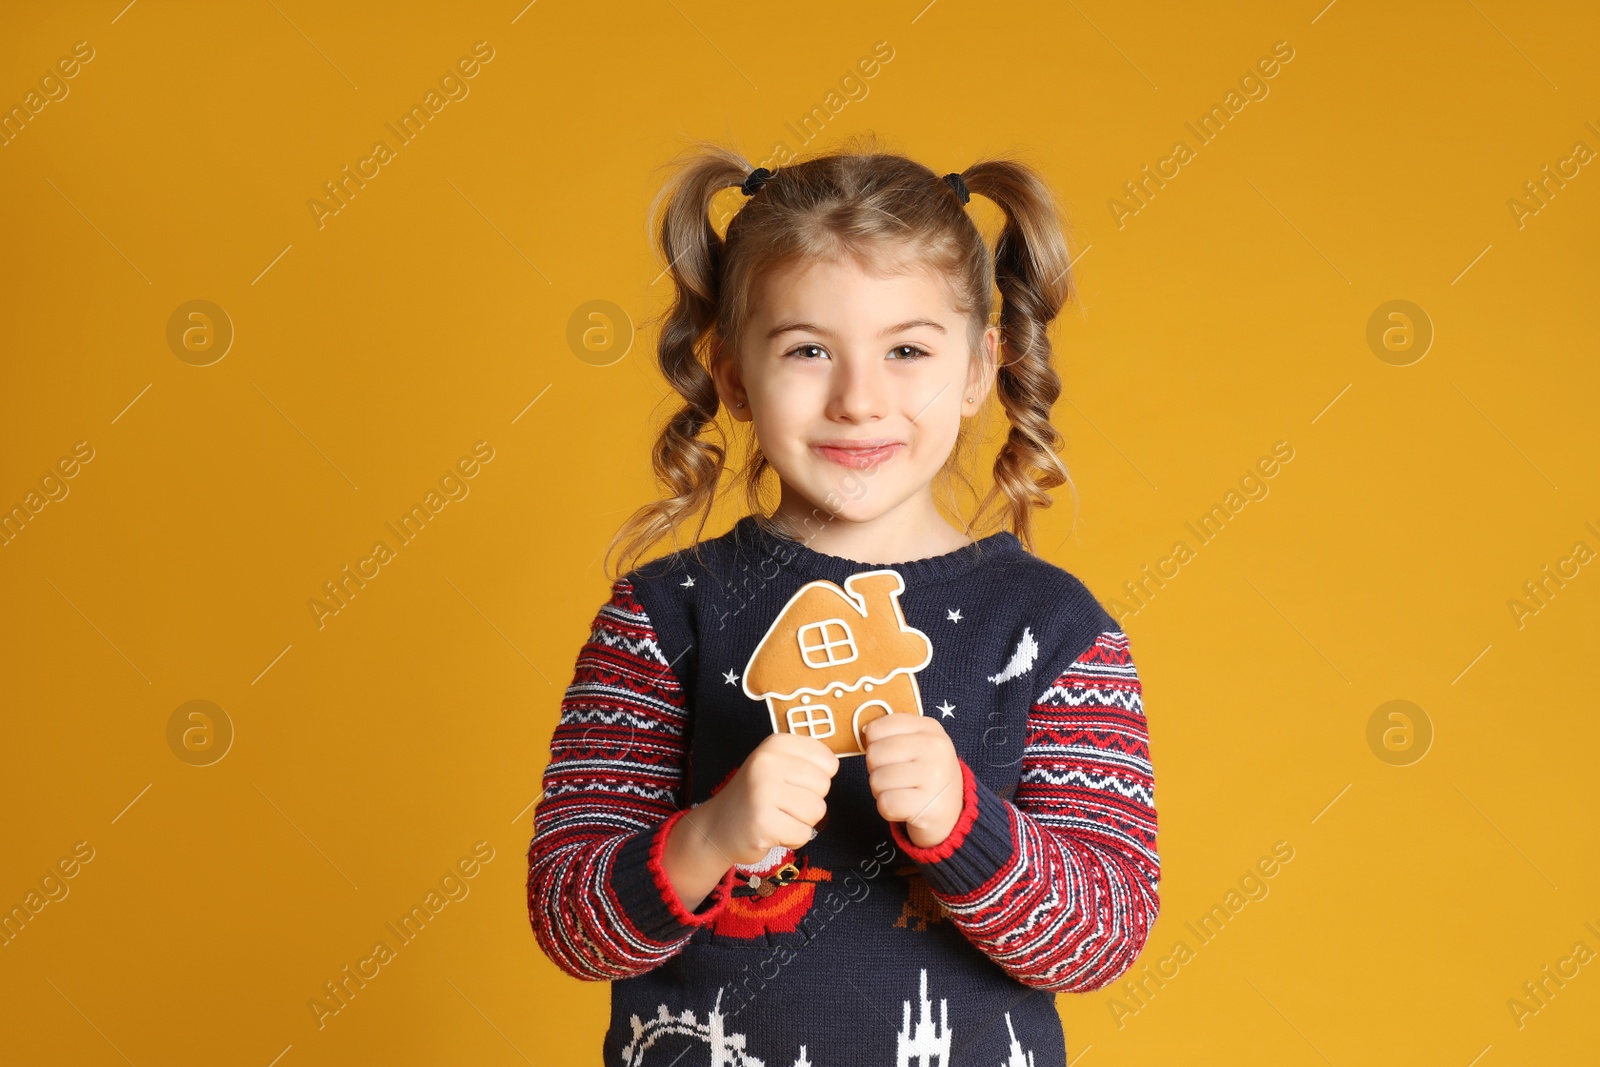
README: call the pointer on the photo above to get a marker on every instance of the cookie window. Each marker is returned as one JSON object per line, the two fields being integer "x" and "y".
{"x": 807, "y": 718}
{"x": 827, "y": 643}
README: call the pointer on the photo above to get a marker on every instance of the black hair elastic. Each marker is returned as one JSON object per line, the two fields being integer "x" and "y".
{"x": 960, "y": 186}
{"x": 755, "y": 181}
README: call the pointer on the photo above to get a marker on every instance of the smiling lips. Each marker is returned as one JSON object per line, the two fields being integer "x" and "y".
{"x": 858, "y": 455}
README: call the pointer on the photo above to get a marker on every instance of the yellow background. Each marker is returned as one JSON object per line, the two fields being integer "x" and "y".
{"x": 1229, "y": 313}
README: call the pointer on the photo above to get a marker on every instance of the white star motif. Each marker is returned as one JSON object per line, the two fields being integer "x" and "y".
{"x": 687, "y": 583}
{"x": 947, "y": 709}
{"x": 729, "y": 677}
{"x": 955, "y": 614}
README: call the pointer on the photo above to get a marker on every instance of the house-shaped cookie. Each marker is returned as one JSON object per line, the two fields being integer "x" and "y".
{"x": 835, "y": 659}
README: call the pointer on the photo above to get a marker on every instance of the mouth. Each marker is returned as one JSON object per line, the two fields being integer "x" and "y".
{"x": 859, "y": 456}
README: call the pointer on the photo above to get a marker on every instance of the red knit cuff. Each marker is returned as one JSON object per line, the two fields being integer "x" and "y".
{"x": 958, "y": 833}
{"x": 715, "y": 901}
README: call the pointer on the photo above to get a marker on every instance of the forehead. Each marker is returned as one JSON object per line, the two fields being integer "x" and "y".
{"x": 846, "y": 291}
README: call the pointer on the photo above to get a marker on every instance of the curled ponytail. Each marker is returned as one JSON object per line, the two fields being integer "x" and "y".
{"x": 686, "y": 463}
{"x": 1032, "y": 271}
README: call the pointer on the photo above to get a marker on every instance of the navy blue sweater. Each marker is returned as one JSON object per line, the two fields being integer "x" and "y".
{"x": 860, "y": 947}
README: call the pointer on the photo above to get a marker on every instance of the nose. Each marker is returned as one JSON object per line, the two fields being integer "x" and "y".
{"x": 858, "y": 391}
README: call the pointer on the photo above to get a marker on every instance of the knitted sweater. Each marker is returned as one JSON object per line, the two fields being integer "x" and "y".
{"x": 860, "y": 947}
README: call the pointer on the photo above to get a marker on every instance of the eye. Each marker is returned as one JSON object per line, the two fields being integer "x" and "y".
{"x": 918, "y": 353}
{"x": 804, "y": 348}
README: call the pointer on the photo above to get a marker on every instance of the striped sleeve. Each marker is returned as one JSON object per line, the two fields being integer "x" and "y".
{"x": 1060, "y": 887}
{"x": 599, "y": 899}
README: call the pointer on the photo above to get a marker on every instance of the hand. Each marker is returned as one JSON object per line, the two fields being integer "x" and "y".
{"x": 775, "y": 798}
{"x": 915, "y": 774}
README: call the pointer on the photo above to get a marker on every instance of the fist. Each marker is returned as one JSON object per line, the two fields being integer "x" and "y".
{"x": 915, "y": 775}
{"x": 776, "y": 798}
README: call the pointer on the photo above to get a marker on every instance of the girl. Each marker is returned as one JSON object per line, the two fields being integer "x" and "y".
{"x": 845, "y": 785}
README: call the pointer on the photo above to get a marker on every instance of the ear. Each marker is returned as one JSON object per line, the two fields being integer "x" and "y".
{"x": 730, "y": 388}
{"x": 981, "y": 372}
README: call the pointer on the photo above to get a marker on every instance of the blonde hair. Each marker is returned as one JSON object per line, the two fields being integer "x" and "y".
{"x": 854, "y": 201}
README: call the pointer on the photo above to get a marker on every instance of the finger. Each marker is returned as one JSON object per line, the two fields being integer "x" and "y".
{"x": 806, "y": 808}
{"x": 900, "y": 747}
{"x": 899, "y": 805}
{"x": 937, "y": 793}
{"x": 897, "y": 724}
{"x": 817, "y": 752}
{"x": 804, "y": 774}
{"x": 786, "y": 831}
{"x": 909, "y": 803}
{"x": 903, "y": 720}
{"x": 797, "y": 744}
{"x": 897, "y": 776}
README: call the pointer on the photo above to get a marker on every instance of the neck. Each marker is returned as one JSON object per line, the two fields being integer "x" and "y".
{"x": 913, "y": 530}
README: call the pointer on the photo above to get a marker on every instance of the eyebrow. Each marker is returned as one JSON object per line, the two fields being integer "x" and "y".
{"x": 811, "y": 327}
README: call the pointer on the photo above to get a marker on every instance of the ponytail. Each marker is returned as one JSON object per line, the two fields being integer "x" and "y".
{"x": 1032, "y": 271}
{"x": 687, "y": 464}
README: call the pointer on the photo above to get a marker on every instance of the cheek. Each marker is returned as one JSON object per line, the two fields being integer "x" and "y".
{"x": 936, "y": 408}
{"x": 937, "y": 431}
{"x": 777, "y": 424}
{"x": 770, "y": 443}
{"x": 937, "y": 439}
{"x": 786, "y": 406}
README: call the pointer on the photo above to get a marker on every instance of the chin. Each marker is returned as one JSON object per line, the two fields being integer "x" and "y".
{"x": 861, "y": 508}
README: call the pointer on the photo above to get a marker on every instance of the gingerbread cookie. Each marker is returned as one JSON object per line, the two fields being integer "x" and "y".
{"x": 835, "y": 659}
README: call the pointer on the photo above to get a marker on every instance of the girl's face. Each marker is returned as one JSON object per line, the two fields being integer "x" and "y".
{"x": 857, "y": 383}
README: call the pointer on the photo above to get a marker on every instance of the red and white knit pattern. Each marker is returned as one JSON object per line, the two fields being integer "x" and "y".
{"x": 615, "y": 771}
{"x": 1072, "y": 906}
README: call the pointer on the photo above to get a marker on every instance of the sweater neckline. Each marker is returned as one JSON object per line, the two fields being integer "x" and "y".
{"x": 801, "y": 558}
